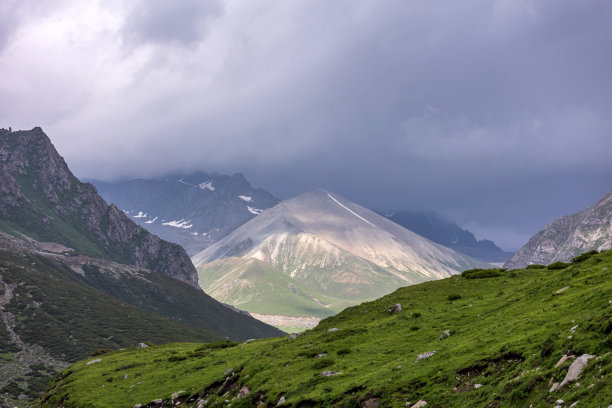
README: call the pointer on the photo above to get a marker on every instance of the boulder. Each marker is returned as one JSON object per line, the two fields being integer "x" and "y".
{"x": 177, "y": 394}
{"x": 281, "y": 401}
{"x": 244, "y": 391}
{"x": 420, "y": 404}
{"x": 293, "y": 336}
{"x": 564, "y": 359}
{"x": 321, "y": 355}
{"x": 574, "y": 371}
{"x": 425, "y": 355}
{"x": 333, "y": 329}
{"x": 371, "y": 403}
{"x": 394, "y": 309}
{"x": 444, "y": 335}
{"x": 328, "y": 373}
{"x": 142, "y": 345}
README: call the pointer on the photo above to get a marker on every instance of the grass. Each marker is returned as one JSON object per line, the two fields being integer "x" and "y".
{"x": 508, "y": 332}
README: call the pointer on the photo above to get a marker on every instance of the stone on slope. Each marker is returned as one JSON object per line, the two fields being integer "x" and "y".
{"x": 574, "y": 371}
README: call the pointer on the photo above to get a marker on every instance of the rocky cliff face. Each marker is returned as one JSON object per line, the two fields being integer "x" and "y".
{"x": 41, "y": 198}
{"x": 568, "y": 236}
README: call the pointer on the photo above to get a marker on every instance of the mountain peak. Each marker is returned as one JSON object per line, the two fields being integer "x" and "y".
{"x": 568, "y": 236}
{"x": 44, "y": 200}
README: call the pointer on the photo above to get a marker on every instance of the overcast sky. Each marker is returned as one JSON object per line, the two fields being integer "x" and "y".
{"x": 495, "y": 113}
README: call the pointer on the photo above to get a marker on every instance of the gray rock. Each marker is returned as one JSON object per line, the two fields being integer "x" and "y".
{"x": 573, "y": 404}
{"x": 227, "y": 371}
{"x": 177, "y": 394}
{"x": 333, "y": 329}
{"x": 371, "y": 403}
{"x": 97, "y": 360}
{"x": 244, "y": 391}
{"x": 321, "y": 355}
{"x": 249, "y": 341}
{"x": 293, "y": 336}
{"x": 281, "y": 401}
{"x": 559, "y": 402}
{"x": 567, "y": 236}
{"x": 328, "y": 373}
{"x": 425, "y": 355}
{"x": 420, "y": 404}
{"x": 142, "y": 345}
{"x": 394, "y": 309}
{"x": 574, "y": 371}
{"x": 158, "y": 401}
{"x": 477, "y": 386}
{"x": 554, "y": 387}
{"x": 444, "y": 335}
{"x": 137, "y": 406}
{"x": 564, "y": 359}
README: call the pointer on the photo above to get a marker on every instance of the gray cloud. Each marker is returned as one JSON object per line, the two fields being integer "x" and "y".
{"x": 493, "y": 112}
{"x": 160, "y": 21}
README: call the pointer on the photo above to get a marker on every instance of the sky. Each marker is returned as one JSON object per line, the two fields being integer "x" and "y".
{"x": 495, "y": 113}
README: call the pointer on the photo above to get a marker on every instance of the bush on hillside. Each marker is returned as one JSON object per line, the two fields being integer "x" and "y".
{"x": 583, "y": 257}
{"x": 558, "y": 265}
{"x": 482, "y": 273}
{"x": 536, "y": 266}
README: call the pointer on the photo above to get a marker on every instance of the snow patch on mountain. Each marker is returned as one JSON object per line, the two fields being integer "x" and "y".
{"x": 140, "y": 215}
{"x": 182, "y": 223}
{"x": 207, "y": 185}
{"x": 246, "y": 198}
{"x": 255, "y": 211}
{"x": 151, "y": 221}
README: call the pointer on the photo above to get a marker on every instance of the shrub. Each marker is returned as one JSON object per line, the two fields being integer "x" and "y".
{"x": 558, "y": 265}
{"x": 536, "y": 266}
{"x": 482, "y": 273}
{"x": 583, "y": 257}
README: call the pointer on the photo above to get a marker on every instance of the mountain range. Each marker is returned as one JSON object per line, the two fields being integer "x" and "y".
{"x": 314, "y": 255}
{"x": 192, "y": 210}
{"x": 568, "y": 236}
{"x": 78, "y": 275}
{"x": 446, "y": 232}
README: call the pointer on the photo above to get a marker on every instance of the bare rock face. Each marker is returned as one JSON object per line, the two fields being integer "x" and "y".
{"x": 568, "y": 236}
{"x": 41, "y": 198}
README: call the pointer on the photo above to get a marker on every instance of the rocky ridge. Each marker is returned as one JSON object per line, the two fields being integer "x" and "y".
{"x": 41, "y": 198}
{"x": 568, "y": 236}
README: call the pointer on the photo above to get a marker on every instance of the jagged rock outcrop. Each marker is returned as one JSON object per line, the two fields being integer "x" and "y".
{"x": 41, "y": 198}
{"x": 568, "y": 236}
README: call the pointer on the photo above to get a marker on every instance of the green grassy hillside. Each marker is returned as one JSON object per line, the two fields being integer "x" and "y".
{"x": 507, "y": 329}
{"x": 50, "y": 316}
{"x": 256, "y": 286}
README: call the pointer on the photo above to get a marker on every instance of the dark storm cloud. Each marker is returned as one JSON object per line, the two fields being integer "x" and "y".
{"x": 493, "y": 112}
